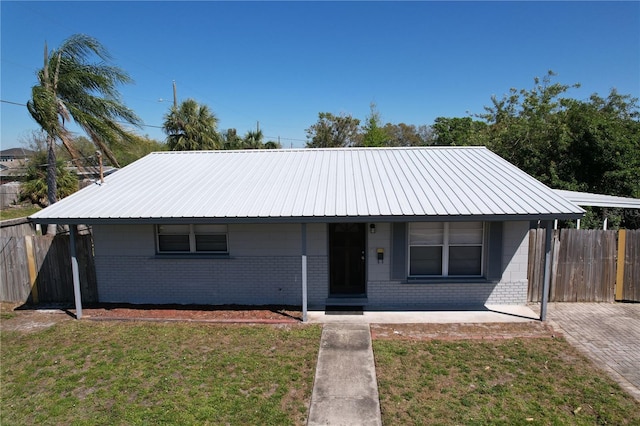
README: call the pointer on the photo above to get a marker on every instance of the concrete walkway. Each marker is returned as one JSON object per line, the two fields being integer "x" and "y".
{"x": 485, "y": 314}
{"x": 345, "y": 391}
{"x": 608, "y": 333}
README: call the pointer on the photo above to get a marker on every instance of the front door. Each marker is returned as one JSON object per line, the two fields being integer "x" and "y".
{"x": 347, "y": 248}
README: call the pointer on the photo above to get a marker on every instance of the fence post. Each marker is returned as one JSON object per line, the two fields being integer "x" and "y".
{"x": 75, "y": 271}
{"x": 622, "y": 237}
{"x": 547, "y": 271}
{"x": 31, "y": 265}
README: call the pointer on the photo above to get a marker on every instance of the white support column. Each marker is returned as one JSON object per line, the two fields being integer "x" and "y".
{"x": 304, "y": 272}
{"x": 547, "y": 272}
{"x": 578, "y": 224}
{"x": 75, "y": 272}
{"x": 604, "y": 225}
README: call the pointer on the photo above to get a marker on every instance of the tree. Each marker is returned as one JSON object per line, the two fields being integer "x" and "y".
{"x": 333, "y": 131}
{"x": 458, "y": 131}
{"x": 231, "y": 140}
{"x": 526, "y": 128}
{"x": 373, "y": 133}
{"x": 35, "y": 187}
{"x": 191, "y": 127}
{"x": 272, "y": 145}
{"x": 604, "y": 141}
{"x": 70, "y": 87}
{"x": 253, "y": 140}
{"x": 408, "y": 134}
{"x": 143, "y": 145}
{"x": 583, "y": 145}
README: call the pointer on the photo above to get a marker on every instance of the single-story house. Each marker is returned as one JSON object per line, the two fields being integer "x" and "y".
{"x": 400, "y": 228}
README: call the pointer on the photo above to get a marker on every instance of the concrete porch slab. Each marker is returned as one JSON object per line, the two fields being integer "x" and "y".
{"x": 489, "y": 313}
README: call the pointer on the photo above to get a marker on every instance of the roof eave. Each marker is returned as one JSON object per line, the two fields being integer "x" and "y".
{"x": 306, "y": 219}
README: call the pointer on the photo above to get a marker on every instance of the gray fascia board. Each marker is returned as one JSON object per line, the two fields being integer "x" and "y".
{"x": 309, "y": 219}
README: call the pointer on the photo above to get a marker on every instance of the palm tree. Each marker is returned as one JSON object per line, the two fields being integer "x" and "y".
{"x": 72, "y": 88}
{"x": 231, "y": 140}
{"x": 191, "y": 127}
{"x": 253, "y": 140}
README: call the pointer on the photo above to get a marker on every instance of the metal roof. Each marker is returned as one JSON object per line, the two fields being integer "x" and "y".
{"x": 307, "y": 185}
{"x": 599, "y": 200}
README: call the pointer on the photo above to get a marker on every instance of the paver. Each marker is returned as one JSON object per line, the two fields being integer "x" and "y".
{"x": 608, "y": 333}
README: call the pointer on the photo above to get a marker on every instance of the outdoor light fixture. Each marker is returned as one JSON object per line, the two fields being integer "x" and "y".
{"x": 372, "y": 228}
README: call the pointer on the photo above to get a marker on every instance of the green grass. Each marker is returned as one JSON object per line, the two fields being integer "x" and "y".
{"x": 7, "y": 315}
{"x": 14, "y": 213}
{"x": 104, "y": 373}
{"x": 91, "y": 373}
{"x": 507, "y": 382}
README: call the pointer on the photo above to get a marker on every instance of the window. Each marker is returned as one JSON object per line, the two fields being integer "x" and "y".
{"x": 446, "y": 248}
{"x": 201, "y": 238}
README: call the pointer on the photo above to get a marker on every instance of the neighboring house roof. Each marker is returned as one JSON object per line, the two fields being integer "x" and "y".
{"x": 15, "y": 153}
{"x": 321, "y": 185}
{"x": 599, "y": 200}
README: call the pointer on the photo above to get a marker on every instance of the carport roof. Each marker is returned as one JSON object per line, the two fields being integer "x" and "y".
{"x": 599, "y": 200}
{"x": 314, "y": 185}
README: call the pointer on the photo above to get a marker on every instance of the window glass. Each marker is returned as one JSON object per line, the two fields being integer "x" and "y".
{"x": 425, "y": 261}
{"x": 465, "y": 260}
{"x": 216, "y": 242}
{"x": 446, "y": 249}
{"x": 173, "y": 242}
{"x": 173, "y": 229}
{"x": 192, "y": 238}
{"x": 210, "y": 229}
{"x": 429, "y": 233}
{"x": 465, "y": 233}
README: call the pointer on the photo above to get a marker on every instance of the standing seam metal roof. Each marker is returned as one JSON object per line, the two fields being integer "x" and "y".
{"x": 421, "y": 183}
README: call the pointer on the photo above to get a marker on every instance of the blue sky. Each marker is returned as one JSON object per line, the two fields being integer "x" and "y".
{"x": 281, "y": 63}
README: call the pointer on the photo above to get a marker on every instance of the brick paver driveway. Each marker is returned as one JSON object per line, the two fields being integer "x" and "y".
{"x": 609, "y": 333}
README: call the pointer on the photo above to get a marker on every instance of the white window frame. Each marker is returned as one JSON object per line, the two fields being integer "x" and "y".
{"x": 192, "y": 240}
{"x": 445, "y": 252}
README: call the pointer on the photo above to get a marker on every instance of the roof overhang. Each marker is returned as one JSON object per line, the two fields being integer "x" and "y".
{"x": 584, "y": 199}
{"x": 274, "y": 220}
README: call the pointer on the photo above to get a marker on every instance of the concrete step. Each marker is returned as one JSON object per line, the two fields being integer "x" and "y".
{"x": 346, "y": 301}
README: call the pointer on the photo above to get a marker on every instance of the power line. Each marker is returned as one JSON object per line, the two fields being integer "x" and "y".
{"x": 161, "y": 127}
{"x": 12, "y": 103}
{"x": 121, "y": 122}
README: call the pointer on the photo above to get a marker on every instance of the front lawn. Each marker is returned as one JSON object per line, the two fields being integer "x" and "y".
{"x": 92, "y": 373}
{"x": 541, "y": 381}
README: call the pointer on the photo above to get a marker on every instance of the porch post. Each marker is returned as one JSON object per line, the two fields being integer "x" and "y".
{"x": 304, "y": 272}
{"x": 547, "y": 271}
{"x": 75, "y": 271}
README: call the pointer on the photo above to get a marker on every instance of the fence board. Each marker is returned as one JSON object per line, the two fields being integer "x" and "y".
{"x": 15, "y": 285}
{"x": 631, "y": 282}
{"x": 54, "y": 281}
{"x": 584, "y": 266}
{"x": 535, "y": 269}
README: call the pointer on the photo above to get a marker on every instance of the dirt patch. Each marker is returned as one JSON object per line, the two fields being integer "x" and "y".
{"x": 206, "y": 313}
{"x": 484, "y": 331}
{"x": 21, "y": 318}
{"x": 13, "y": 318}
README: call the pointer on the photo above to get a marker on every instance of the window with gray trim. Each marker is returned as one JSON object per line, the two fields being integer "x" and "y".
{"x": 443, "y": 249}
{"x": 200, "y": 238}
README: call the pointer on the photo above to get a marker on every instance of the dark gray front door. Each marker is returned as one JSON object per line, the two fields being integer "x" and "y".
{"x": 347, "y": 249}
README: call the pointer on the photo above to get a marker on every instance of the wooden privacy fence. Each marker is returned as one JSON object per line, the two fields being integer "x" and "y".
{"x": 586, "y": 265}
{"x": 37, "y": 269}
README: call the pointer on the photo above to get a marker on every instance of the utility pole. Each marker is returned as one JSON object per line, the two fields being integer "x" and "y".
{"x": 257, "y": 126}
{"x": 175, "y": 95}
